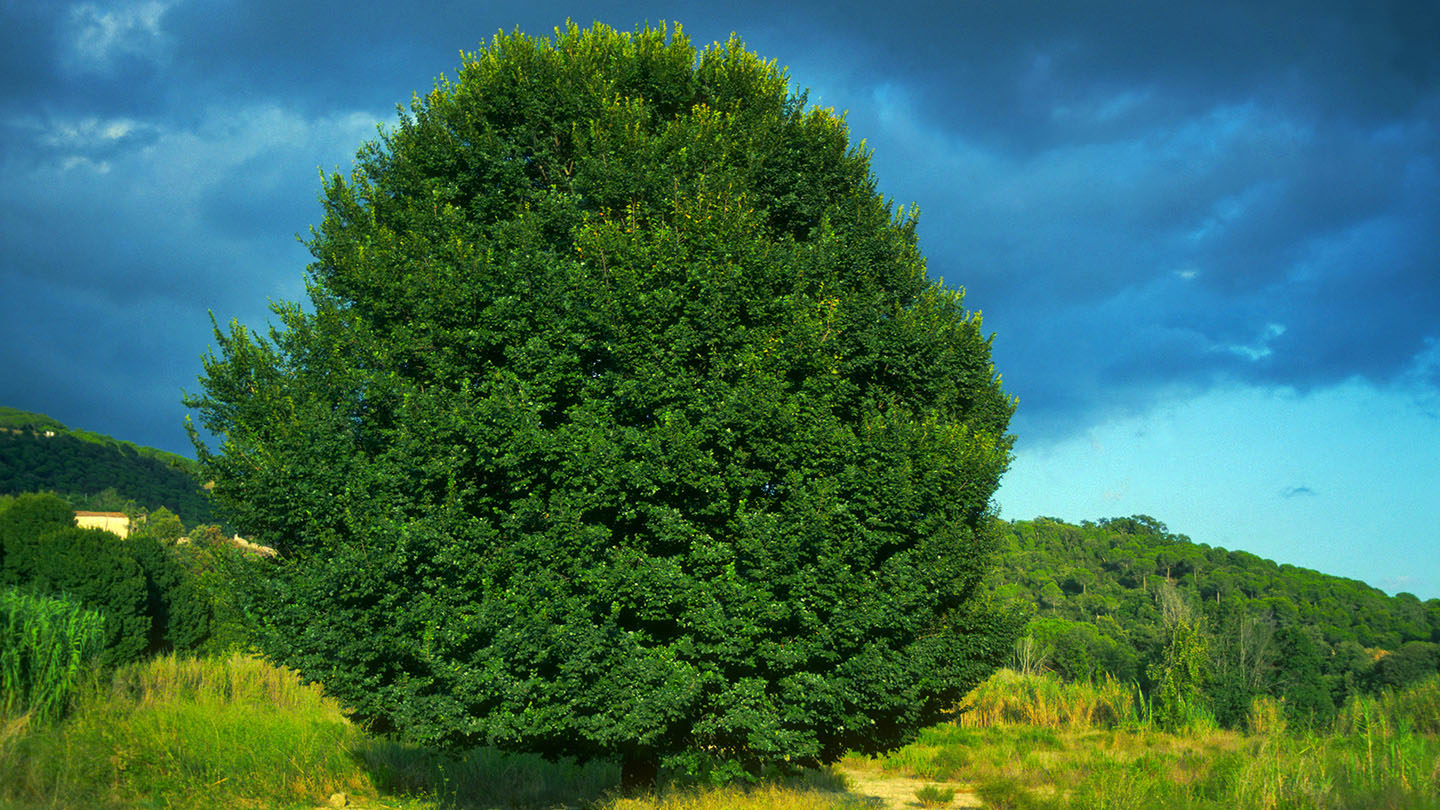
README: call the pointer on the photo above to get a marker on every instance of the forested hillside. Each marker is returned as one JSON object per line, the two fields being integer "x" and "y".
{"x": 39, "y": 454}
{"x": 1108, "y": 597}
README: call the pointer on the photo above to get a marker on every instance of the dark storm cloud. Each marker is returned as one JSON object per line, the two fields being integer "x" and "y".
{"x": 1144, "y": 199}
{"x": 373, "y": 55}
{"x": 1021, "y": 71}
{"x": 1152, "y": 198}
{"x": 27, "y": 39}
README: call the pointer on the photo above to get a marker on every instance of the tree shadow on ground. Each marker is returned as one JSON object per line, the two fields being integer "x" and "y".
{"x": 488, "y": 779}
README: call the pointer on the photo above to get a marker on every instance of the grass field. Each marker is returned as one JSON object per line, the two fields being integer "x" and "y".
{"x": 237, "y": 732}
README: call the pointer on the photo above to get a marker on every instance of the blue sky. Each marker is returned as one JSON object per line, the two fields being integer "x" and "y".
{"x": 1206, "y": 235}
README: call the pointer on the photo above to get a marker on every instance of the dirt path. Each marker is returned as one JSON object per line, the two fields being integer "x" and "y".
{"x": 898, "y": 792}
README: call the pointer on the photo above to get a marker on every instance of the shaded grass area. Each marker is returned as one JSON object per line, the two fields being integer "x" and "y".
{"x": 483, "y": 778}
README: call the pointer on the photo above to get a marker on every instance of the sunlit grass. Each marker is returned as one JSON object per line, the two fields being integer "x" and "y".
{"x": 1077, "y": 758}
{"x": 198, "y": 733}
{"x": 237, "y": 732}
{"x": 762, "y": 797}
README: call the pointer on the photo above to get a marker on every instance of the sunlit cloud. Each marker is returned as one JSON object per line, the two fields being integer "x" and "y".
{"x": 101, "y": 34}
{"x": 1260, "y": 349}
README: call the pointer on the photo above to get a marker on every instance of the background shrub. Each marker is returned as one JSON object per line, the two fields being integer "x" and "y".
{"x": 92, "y": 565}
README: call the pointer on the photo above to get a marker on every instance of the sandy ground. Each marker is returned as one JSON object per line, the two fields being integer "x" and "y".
{"x": 898, "y": 793}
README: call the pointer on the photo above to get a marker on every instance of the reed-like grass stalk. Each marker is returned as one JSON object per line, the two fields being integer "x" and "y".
{"x": 47, "y": 646}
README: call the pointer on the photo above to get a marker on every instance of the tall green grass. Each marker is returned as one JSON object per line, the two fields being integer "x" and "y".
{"x": 239, "y": 732}
{"x": 1413, "y": 708}
{"x": 47, "y": 646}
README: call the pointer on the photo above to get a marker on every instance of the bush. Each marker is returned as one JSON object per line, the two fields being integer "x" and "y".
{"x": 23, "y": 524}
{"x": 46, "y": 553}
{"x": 934, "y": 796}
{"x": 178, "y": 609}
{"x": 94, "y": 567}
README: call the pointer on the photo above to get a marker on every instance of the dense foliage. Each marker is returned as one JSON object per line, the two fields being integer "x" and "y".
{"x": 1126, "y": 598}
{"x": 624, "y": 421}
{"x": 39, "y": 454}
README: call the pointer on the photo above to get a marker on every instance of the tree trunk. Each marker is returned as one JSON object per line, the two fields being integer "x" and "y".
{"x": 638, "y": 773}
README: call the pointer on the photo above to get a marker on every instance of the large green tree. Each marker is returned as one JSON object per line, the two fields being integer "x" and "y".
{"x": 624, "y": 421}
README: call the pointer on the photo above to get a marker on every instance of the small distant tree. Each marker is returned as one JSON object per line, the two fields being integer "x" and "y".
{"x": 1180, "y": 677}
{"x": 623, "y": 421}
{"x": 163, "y": 525}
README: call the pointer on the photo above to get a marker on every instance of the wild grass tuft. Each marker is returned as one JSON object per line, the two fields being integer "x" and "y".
{"x": 935, "y": 796}
{"x": 1004, "y": 793}
{"x": 1010, "y": 698}
{"x": 1267, "y": 716}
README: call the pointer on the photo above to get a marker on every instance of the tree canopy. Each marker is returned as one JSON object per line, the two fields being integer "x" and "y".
{"x": 38, "y": 453}
{"x": 624, "y": 420}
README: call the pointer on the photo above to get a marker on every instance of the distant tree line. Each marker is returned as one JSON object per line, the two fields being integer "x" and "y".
{"x": 31, "y": 461}
{"x": 1204, "y": 626}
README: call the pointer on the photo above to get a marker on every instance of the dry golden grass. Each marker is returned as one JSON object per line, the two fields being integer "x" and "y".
{"x": 1010, "y": 698}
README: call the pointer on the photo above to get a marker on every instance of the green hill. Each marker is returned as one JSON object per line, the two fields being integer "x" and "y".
{"x": 1105, "y": 598}
{"x": 40, "y": 454}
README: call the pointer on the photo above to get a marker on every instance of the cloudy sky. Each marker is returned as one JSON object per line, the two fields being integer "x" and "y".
{"x": 1207, "y": 235}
